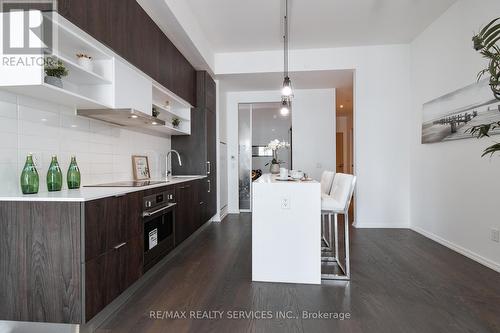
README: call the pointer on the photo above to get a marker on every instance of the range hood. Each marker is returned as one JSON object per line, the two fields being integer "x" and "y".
{"x": 129, "y": 118}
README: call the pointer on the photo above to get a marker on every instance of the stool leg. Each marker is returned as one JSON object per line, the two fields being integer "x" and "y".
{"x": 336, "y": 238}
{"x": 323, "y": 234}
{"x": 347, "y": 247}
{"x": 330, "y": 234}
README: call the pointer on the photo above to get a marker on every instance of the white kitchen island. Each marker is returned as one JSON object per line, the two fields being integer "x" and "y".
{"x": 286, "y": 231}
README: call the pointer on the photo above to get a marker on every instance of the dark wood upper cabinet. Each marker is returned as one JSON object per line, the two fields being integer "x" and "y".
{"x": 198, "y": 151}
{"x": 127, "y": 29}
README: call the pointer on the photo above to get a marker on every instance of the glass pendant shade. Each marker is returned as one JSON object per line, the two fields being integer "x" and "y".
{"x": 287, "y": 87}
{"x": 285, "y": 107}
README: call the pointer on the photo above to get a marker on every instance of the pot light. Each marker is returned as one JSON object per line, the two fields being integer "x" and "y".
{"x": 154, "y": 123}
{"x": 134, "y": 116}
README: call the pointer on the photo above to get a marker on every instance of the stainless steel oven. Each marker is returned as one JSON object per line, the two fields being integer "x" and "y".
{"x": 159, "y": 226}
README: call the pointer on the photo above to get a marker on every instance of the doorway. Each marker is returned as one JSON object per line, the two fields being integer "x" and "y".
{"x": 259, "y": 124}
{"x": 345, "y": 133}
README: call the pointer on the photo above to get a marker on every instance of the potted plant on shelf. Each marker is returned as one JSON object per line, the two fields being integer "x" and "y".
{"x": 85, "y": 61}
{"x": 155, "y": 112}
{"x": 487, "y": 43}
{"x": 176, "y": 122}
{"x": 275, "y": 163}
{"x": 54, "y": 71}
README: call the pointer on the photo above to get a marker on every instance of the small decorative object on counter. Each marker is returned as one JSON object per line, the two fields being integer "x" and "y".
{"x": 140, "y": 167}
{"x": 155, "y": 112}
{"x": 176, "y": 122}
{"x": 85, "y": 61}
{"x": 275, "y": 163}
{"x": 29, "y": 177}
{"x": 54, "y": 176}
{"x": 73, "y": 177}
{"x": 54, "y": 71}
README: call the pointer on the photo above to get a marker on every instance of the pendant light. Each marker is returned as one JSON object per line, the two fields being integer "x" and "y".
{"x": 285, "y": 106}
{"x": 286, "y": 90}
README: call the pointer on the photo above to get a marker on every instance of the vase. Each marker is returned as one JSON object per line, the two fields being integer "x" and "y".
{"x": 54, "y": 81}
{"x": 85, "y": 63}
{"x": 274, "y": 168}
{"x": 54, "y": 176}
{"x": 73, "y": 177}
{"x": 29, "y": 177}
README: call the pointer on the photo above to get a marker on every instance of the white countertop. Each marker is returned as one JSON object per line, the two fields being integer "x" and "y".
{"x": 268, "y": 178}
{"x": 87, "y": 193}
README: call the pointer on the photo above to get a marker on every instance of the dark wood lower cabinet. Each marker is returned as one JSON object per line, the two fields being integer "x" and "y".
{"x": 40, "y": 277}
{"x": 187, "y": 206}
{"x": 42, "y": 270}
{"x": 108, "y": 275}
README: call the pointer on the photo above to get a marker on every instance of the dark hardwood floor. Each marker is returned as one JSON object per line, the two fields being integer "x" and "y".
{"x": 401, "y": 282}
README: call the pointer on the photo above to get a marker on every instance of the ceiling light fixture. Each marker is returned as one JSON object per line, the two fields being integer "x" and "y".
{"x": 286, "y": 91}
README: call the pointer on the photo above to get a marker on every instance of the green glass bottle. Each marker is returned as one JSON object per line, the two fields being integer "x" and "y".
{"x": 73, "y": 176}
{"x": 54, "y": 176}
{"x": 29, "y": 177}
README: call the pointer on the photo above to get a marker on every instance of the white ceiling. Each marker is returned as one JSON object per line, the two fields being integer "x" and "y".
{"x": 242, "y": 25}
{"x": 342, "y": 80}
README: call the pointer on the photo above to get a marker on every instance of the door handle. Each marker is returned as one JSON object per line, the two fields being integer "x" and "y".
{"x": 208, "y": 167}
{"x": 209, "y": 186}
{"x": 119, "y": 245}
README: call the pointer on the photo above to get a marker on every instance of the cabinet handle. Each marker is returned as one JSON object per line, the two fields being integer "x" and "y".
{"x": 201, "y": 202}
{"x": 184, "y": 187}
{"x": 208, "y": 167}
{"x": 120, "y": 245}
{"x": 209, "y": 186}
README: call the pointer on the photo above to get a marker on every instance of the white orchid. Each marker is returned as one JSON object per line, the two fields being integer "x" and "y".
{"x": 275, "y": 145}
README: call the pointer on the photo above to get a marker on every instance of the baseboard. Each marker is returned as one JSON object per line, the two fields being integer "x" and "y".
{"x": 457, "y": 248}
{"x": 380, "y": 225}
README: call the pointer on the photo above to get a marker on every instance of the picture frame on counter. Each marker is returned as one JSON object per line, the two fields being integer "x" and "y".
{"x": 140, "y": 167}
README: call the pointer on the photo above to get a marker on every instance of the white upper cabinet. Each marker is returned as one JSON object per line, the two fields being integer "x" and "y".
{"x": 106, "y": 81}
{"x": 132, "y": 90}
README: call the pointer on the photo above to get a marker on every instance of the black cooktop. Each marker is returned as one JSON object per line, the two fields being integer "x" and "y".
{"x": 131, "y": 183}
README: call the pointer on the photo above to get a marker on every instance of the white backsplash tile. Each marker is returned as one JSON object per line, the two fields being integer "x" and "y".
{"x": 104, "y": 152}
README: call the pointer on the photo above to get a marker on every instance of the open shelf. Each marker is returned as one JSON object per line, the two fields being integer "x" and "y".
{"x": 52, "y": 93}
{"x": 80, "y": 75}
{"x": 172, "y": 113}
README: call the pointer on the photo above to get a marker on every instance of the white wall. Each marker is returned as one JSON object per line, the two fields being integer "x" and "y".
{"x": 311, "y": 108}
{"x": 103, "y": 151}
{"x": 454, "y": 192}
{"x": 313, "y": 129}
{"x": 382, "y": 103}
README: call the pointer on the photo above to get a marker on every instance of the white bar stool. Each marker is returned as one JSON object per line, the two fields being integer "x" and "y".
{"x": 338, "y": 202}
{"x": 326, "y": 186}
